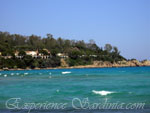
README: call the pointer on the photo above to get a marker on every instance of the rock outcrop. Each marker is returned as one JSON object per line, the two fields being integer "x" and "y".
{"x": 124, "y": 63}
{"x": 146, "y": 63}
{"x": 63, "y": 63}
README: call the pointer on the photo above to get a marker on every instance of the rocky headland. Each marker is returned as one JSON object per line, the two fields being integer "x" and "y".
{"x": 124, "y": 63}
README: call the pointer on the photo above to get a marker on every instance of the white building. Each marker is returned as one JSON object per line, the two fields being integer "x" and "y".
{"x": 32, "y": 53}
{"x": 62, "y": 55}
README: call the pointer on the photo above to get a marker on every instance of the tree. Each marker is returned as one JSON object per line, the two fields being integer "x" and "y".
{"x": 91, "y": 41}
{"x": 50, "y": 43}
{"x": 74, "y": 54}
{"x": 28, "y": 60}
{"x": 80, "y": 44}
{"x": 115, "y": 50}
{"x": 60, "y": 42}
{"x": 49, "y": 35}
{"x": 35, "y": 42}
{"x": 22, "y": 53}
{"x": 44, "y": 52}
{"x": 67, "y": 43}
{"x": 108, "y": 47}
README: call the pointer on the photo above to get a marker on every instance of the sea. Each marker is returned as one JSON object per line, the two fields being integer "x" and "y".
{"x": 86, "y": 90}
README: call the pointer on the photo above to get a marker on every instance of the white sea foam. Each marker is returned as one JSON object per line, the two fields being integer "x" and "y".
{"x": 12, "y": 73}
{"x": 26, "y": 73}
{"x": 50, "y": 73}
{"x": 5, "y": 75}
{"x": 66, "y": 72}
{"x": 130, "y": 92}
{"x": 102, "y": 92}
{"x": 57, "y": 90}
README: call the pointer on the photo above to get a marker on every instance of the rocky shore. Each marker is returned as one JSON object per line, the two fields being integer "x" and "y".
{"x": 98, "y": 64}
{"x": 124, "y": 63}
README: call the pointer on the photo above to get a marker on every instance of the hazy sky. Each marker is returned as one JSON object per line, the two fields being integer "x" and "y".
{"x": 123, "y": 23}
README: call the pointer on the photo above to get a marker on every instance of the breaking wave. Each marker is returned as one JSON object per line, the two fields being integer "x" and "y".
{"x": 66, "y": 72}
{"x": 103, "y": 93}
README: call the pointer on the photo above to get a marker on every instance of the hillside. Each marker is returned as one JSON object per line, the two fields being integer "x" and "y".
{"x": 18, "y": 51}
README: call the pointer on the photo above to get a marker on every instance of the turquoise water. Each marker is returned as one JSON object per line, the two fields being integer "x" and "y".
{"x": 130, "y": 84}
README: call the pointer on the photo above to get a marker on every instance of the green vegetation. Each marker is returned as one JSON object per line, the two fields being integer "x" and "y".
{"x": 77, "y": 52}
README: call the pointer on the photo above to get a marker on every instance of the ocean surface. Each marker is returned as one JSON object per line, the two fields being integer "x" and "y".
{"x": 71, "y": 90}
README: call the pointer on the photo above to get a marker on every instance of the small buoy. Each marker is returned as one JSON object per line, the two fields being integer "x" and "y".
{"x": 5, "y": 75}
{"x": 12, "y": 74}
{"x": 50, "y": 73}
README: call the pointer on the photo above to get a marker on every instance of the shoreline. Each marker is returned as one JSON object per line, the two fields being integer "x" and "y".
{"x": 71, "y": 67}
{"x": 96, "y": 64}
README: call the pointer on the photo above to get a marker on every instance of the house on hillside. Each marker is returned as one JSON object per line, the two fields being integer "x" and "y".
{"x": 62, "y": 55}
{"x": 5, "y": 57}
{"x": 93, "y": 55}
{"x": 17, "y": 54}
{"x": 37, "y": 54}
{"x": 34, "y": 54}
{"x": 44, "y": 54}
